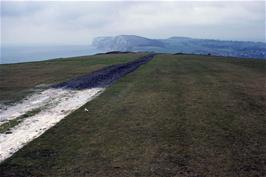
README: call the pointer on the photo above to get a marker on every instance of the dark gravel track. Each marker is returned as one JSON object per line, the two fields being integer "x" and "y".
{"x": 104, "y": 77}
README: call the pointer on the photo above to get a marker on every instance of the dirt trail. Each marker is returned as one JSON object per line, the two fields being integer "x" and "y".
{"x": 104, "y": 77}
{"x": 56, "y": 103}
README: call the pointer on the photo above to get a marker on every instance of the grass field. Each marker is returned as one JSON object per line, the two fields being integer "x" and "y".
{"x": 17, "y": 80}
{"x": 178, "y": 115}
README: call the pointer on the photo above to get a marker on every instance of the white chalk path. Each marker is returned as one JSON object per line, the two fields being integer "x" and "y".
{"x": 55, "y": 104}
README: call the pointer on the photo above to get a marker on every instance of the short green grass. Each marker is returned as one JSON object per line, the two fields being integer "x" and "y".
{"x": 176, "y": 116}
{"x": 17, "y": 80}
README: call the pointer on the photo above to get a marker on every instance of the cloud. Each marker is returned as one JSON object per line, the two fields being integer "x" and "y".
{"x": 79, "y": 22}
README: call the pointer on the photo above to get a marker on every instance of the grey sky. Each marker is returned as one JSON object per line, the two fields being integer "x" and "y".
{"x": 27, "y": 23}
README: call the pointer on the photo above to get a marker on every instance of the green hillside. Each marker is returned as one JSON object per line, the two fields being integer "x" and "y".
{"x": 17, "y": 80}
{"x": 178, "y": 115}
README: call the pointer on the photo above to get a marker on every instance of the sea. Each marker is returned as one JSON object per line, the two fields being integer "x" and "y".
{"x": 22, "y": 54}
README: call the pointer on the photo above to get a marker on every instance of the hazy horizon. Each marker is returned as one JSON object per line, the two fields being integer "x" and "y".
{"x": 77, "y": 23}
{"x": 89, "y": 44}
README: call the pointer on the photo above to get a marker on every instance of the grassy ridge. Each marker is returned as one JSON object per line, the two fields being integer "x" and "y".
{"x": 178, "y": 115}
{"x": 17, "y": 79}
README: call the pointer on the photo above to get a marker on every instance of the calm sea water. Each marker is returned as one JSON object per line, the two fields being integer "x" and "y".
{"x": 20, "y": 54}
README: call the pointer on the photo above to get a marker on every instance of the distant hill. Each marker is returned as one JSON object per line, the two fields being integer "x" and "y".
{"x": 125, "y": 43}
{"x": 134, "y": 43}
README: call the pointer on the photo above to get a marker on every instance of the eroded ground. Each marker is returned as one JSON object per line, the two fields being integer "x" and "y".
{"x": 55, "y": 103}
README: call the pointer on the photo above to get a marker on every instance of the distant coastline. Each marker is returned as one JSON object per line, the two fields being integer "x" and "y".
{"x": 21, "y": 54}
{"x": 133, "y": 43}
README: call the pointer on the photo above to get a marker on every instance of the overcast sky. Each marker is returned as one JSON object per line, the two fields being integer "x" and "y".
{"x": 46, "y": 23}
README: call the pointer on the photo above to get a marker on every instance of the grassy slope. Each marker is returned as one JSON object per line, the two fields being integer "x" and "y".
{"x": 16, "y": 80}
{"x": 175, "y": 116}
